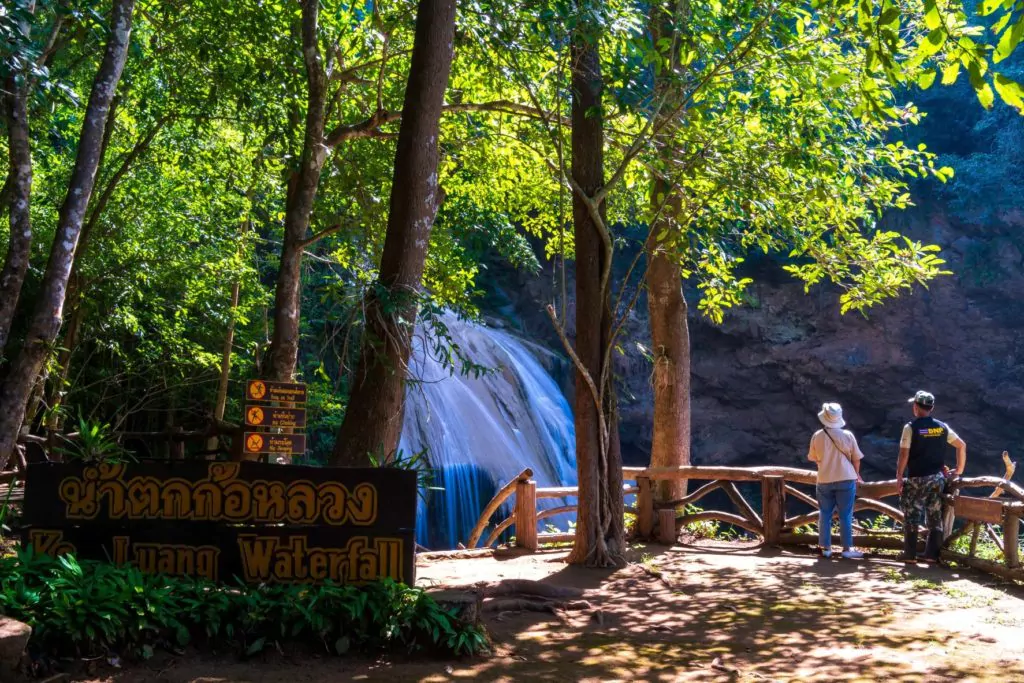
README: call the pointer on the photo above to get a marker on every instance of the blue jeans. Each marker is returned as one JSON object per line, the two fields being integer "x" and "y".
{"x": 836, "y": 495}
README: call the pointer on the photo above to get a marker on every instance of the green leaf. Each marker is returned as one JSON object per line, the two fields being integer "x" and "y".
{"x": 981, "y": 88}
{"x": 989, "y": 6}
{"x": 926, "y": 78}
{"x": 1009, "y": 41}
{"x": 837, "y": 79}
{"x": 932, "y": 43}
{"x": 931, "y": 15}
{"x": 951, "y": 73}
{"x": 257, "y": 646}
{"x": 1010, "y": 91}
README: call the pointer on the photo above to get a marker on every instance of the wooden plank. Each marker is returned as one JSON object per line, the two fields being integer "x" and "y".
{"x": 887, "y": 542}
{"x": 667, "y": 527}
{"x": 773, "y": 508}
{"x": 988, "y": 510}
{"x": 526, "y": 514}
{"x": 645, "y": 508}
{"x": 556, "y": 538}
{"x": 1011, "y": 539}
{"x": 987, "y": 566}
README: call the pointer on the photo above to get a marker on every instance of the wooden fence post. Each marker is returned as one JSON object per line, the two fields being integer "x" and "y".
{"x": 644, "y": 508}
{"x": 667, "y": 527}
{"x": 773, "y": 503}
{"x": 526, "y": 515}
{"x": 1011, "y": 537}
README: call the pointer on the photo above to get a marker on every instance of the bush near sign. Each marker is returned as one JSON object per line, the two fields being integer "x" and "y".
{"x": 259, "y": 522}
{"x": 284, "y": 392}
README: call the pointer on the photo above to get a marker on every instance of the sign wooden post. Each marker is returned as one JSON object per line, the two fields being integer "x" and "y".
{"x": 218, "y": 520}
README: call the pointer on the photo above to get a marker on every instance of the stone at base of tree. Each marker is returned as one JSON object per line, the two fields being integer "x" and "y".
{"x": 467, "y": 605}
{"x": 14, "y": 637}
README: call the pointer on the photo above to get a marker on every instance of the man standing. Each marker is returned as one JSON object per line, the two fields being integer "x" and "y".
{"x": 923, "y": 448}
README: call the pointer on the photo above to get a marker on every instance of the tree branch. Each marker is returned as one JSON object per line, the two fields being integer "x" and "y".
{"x": 320, "y": 235}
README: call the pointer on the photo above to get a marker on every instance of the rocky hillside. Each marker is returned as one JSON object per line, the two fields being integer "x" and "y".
{"x": 759, "y": 378}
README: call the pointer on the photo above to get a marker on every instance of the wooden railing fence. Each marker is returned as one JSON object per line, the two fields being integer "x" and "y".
{"x": 768, "y": 518}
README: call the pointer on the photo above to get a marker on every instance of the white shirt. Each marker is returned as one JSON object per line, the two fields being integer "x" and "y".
{"x": 834, "y": 464}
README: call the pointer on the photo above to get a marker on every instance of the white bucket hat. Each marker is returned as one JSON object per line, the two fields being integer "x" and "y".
{"x": 831, "y": 415}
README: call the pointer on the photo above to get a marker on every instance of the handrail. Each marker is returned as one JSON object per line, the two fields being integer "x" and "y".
{"x": 777, "y": 483}
{"x": 503, "y": 493}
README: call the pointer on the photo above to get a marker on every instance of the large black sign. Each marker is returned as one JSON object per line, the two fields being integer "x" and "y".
{"x": 257, "y": 521}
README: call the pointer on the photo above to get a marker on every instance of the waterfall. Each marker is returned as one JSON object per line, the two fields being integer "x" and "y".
{"x": 480, "y": 432}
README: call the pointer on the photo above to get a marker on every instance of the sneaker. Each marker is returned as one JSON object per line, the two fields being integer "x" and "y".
{"x": 826, "y": 554}
{"x": 853, "y": 554}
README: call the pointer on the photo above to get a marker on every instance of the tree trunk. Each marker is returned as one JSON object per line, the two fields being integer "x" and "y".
{"x": 284, "y": 348}
{"x": 46, "y": 320}
{"x": 19, "y": 188}
{"x": 666, "y": 303}
{"x": 225, "y": 370}
{"x": 599, "y": 529}
{"x": 373, "y": 419}
{"x": 670, "y": 346}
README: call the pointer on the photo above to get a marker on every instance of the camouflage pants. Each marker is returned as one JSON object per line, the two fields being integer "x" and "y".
{"x": 922, "y": 496}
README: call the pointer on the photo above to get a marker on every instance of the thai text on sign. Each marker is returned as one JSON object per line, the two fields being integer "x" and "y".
{"x": 259, "y": 522}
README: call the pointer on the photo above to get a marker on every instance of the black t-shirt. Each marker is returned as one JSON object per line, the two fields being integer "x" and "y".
{"x": 929, "y": 445}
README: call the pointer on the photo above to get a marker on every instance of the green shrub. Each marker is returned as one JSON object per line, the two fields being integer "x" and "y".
{"x": 87, "y": 608}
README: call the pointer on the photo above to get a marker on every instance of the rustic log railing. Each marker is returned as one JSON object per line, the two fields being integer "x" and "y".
{"x": 769, "y": 520}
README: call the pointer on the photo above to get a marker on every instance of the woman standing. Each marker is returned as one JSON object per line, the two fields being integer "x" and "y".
{"x": 838, "y": 457}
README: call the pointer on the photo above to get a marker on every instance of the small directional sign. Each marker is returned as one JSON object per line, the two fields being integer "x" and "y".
{"x": 284, "y": 392}
{"x": 266, "y": 416}
{"x": 275, "y": 444}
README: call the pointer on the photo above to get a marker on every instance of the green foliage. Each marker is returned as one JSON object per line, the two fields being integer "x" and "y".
{"x": 94, "y": 444}
{"x": 417, "y": 462}
{"x": 84, "y": 608}
{"x": 710, "y": 529}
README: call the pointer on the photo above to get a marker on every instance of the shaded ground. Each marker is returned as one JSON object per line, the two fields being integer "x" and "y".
{"x": 718, "y": 613}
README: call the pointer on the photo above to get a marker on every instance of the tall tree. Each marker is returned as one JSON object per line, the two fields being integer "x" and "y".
{"x": 373, "y": 420}
{"x": 48, "y": 313}
{"x": 599, "y": 530}
{"x": 302, "y": 191}
{"x": 666, "y": 302}
{"x": 19, "y": 197}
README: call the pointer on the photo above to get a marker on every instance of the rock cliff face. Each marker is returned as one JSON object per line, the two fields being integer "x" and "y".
{"x": 759, "y": 378}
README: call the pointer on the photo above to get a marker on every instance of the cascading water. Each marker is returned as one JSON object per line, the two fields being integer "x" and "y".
{"x": 480, "y": 432}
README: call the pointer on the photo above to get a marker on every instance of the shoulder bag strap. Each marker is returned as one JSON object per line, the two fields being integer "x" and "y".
{"x": 829, "y": 435}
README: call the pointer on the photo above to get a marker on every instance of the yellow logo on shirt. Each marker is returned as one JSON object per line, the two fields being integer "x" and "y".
{"x": 934, "y": 431}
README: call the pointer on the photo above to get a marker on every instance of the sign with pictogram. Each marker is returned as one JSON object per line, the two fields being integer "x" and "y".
{"x": 283, "y": 392}
{"x": 274, "y": 444}
{"x": 266, "y": 416}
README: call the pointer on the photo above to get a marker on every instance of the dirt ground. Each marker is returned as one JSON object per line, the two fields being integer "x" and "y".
{"x": 718, "y": 612}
